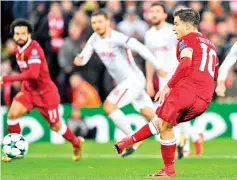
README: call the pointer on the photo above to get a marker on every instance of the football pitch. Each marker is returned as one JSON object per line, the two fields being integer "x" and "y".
{"x": 100, "y": 162}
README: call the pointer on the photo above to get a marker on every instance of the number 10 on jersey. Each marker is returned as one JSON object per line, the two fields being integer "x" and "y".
{"x": 211, "y": 60}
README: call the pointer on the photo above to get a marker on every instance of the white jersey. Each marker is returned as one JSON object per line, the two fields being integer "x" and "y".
{"x": 229, "y": 61}
{"x": 162, "y": 43}
{"x": 115, "y": 53}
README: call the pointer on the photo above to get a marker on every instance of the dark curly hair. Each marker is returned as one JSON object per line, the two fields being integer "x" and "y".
{"x": 21, "y": 22}
{"x": 188, "y": 15}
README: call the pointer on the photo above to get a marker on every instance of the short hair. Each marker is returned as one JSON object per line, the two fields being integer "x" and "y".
{"x": 21, "y": 22}
{"x": 188, "y": 15}
{"x": 100, "y": 12}
{"x": 159, "y": 4}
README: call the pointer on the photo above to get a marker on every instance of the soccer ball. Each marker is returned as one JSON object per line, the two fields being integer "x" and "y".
{"x": 14, "y": 145}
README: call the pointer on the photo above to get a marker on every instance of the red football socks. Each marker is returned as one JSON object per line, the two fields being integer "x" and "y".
{"x": 168, "y": 154}
{"x": 70, "y": 136}
{"x": 14, "y": 128}
{"x": 142, "y": 134}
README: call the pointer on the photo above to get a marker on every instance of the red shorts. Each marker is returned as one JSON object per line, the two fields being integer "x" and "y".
{"x": 47, "y": 104}
{"x": 180, "y": 106}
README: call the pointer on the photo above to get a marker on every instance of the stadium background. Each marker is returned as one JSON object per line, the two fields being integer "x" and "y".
{"x": 62, "y": 29}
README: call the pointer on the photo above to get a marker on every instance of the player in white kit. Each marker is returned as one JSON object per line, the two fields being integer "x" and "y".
{"x": 162, "y": 42}
{"x": 229, "y": 61}
{"x": 113, "y": 48}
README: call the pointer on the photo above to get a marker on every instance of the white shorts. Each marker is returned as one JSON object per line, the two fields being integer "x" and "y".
{"x": 131, "y": 91}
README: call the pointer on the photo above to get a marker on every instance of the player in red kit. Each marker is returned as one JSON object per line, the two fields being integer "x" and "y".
{"x": 37, "y": 89}
{"x": 187, "y": 94}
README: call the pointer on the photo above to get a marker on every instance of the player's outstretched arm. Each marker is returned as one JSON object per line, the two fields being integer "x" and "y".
{"x": 78, "y": 60}
{"x": 82, "y": 58}
{"x": 31, "y": 73}
{"x": 149, "y": 79}
{"x": 135, "y": 45}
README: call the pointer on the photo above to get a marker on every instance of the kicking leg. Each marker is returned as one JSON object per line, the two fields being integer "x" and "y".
{"x": 168, "y": 144}
{"x": 149, "y": 114}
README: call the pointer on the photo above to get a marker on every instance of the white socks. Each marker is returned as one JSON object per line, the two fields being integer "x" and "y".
{"x": 168, "y": 142}
{"x": 154, "y": 130}
{"x": 120, "y": 121}
{"x": 12, "y": 122}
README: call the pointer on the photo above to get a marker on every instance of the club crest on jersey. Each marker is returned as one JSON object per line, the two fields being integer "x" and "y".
{"x": 182, "y": 45}
{"x": 34, "y": 54}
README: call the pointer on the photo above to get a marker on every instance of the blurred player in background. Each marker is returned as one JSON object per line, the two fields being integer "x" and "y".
{"x": 37, "y": 89}
{"x": 187, "y": 94}
{"x": 161, "y": 41}
{"x": 113, "y": 48}
{"x": 229, "y": 61}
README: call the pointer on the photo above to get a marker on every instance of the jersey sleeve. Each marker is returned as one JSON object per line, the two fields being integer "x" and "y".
{"x": 120, "y": 39}
{"x": 34, "y": 63}
{"x": 135, "y": 45}
{"x": 185, "y": 44}
{"x": 36, "y": 55}
{"x": 88, "y": 50}
{"x": 229, "y": 61}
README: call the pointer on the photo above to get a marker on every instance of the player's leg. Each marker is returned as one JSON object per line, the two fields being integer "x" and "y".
{"x": 15, "y": 112}
{"x": 171, "y": 115}
{"x": 187, "y": 131}
{"x": 148, "y": 113}
{"x": 52, "y": 116}
{"x": 65, "y": 131}
{"x": 122, "y": 95}
{"x": 20, "y": 105}
{"x": 198, "y": 144}
{"x": 145, "y": 106}
{"x": 181, "y": 139}
{"x": 168, "y": 148}
{"x": 197, "y": 138}
{"x": 166, "y": 111}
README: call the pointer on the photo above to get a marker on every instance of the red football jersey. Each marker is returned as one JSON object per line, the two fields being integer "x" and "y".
{"x": 31, "y": 60}
{"x": 200, "y": 76}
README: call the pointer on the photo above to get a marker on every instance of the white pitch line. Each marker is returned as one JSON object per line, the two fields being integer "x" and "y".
{"x": 135, "y": 156}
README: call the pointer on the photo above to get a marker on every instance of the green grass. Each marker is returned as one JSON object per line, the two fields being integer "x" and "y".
{"x": 100, "y": 162}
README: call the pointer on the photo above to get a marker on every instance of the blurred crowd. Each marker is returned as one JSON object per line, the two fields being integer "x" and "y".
{"x": 62, "y": 29}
